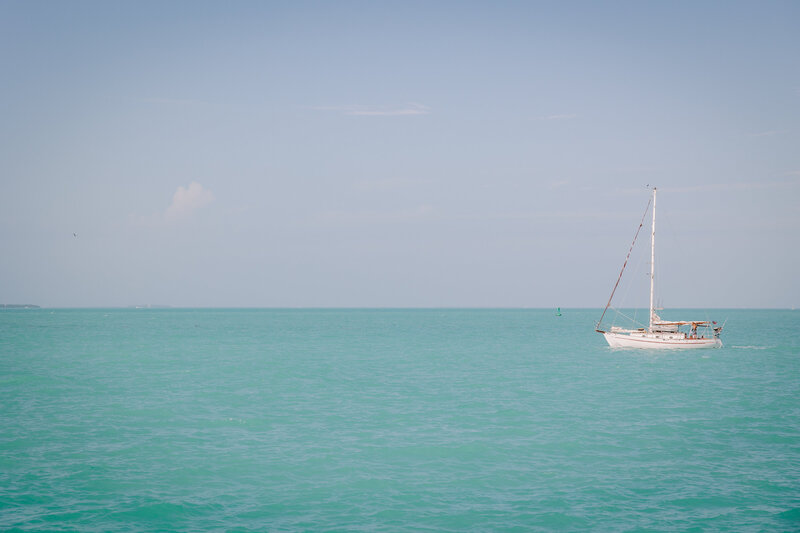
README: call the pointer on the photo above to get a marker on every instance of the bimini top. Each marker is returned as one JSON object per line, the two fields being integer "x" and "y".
{"x": 684, "y": 323}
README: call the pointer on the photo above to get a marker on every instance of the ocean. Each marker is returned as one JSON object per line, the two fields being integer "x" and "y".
{"x": 392, "y": 420}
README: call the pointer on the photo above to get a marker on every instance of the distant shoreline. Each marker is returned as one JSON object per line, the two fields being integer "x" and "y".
{"x": 19, "y": 306}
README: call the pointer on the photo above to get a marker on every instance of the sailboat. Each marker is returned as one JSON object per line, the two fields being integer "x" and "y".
{"x": 659, "y": 333}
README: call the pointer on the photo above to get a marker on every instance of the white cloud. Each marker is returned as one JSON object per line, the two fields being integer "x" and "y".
{"x": 736, "y": 186}
{"x": 358, "y": 110}
{"x": 173, "y": 101}
{"x": 558, "y": 184}
{"x": 569, "y": 116}
{"x": 186, "y": 200}
{"x": 412, "y": 214}
{"x": 389, "y": 184}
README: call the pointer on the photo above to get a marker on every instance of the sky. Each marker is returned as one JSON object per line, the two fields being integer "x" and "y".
{"x": 397, "y": 154}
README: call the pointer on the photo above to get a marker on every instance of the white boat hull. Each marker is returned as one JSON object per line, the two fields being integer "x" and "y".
{"x": 659, "y": 341}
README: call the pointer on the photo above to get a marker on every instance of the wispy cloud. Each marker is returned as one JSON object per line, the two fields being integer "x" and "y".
{"x": 740, "y": 186}
{"x": 389, "y": 184}
{"x": 765, "y": 184}
{"x": 558, "y": 184}
{"x": 420, "y": 212}
{"x": 367, "y": 111}
{"x": 565, "y": 116}
{"x": 770, "y": 133}
{"x": 569, "y": 215}
{"x": 173, "y": 101}
{"x": 633, "y": 169}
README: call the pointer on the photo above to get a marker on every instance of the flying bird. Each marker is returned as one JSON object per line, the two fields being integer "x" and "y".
{"x": 74, "y": 234}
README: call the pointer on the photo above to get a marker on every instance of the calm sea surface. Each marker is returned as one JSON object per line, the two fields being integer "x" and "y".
{"x": 390, "y": 420}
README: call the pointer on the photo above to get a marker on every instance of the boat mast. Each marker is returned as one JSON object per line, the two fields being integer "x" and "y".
{"x": 653, "y": 262}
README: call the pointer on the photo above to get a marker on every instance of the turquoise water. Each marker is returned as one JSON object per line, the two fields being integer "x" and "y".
{"x": 389, "y": 420}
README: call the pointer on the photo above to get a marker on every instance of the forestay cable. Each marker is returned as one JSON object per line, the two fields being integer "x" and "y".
{"x": 646, "y": 209}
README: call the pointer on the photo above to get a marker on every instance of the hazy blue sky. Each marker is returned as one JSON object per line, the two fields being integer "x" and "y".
{"x": 397, "y": 153}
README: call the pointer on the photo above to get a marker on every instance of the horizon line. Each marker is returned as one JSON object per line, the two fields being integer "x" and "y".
{"x": 18, "y": 307}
